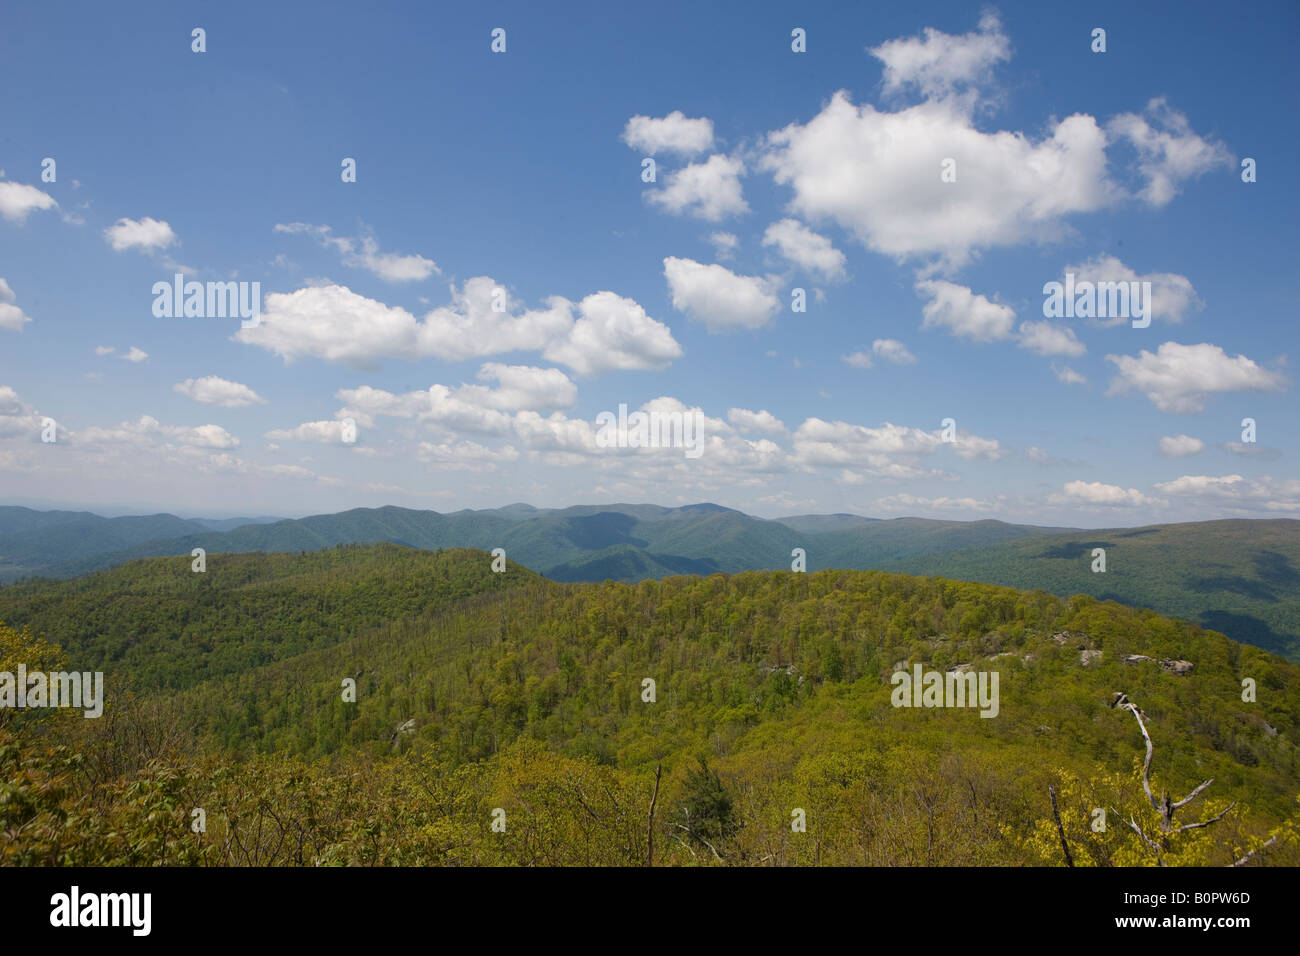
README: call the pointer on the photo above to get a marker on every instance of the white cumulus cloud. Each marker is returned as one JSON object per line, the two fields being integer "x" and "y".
{"x": 1098, "y": 493}
{"x": 1177, "y": 446}
{"x": 325, "y": 432}
{"x": 892, "y": 350}
{"x": 613, "y": 332}
{"x": 718, "y": 297}
{"x": 724, "y": 244}
{"x": 147, "y": 430}
{"x": 1047, "y": 338}
{"x": 876, "y": 174}
{"x": 964, "y": 313}
{"x": 674, "y": 133}
{"x": 521, "y": 386}
{"x": 1180, "y": 378}
{"x": 18, "y": 200}
{"x": 857, "y": 359}
{"x": 1242, "y": 494}
{"x": 334, "y": 323}
{"x": 12, "y": 318}
{"x": 1169, "y": 153}
{"x": 710, "y": 190}
{"x": 760, "y": 421}
{"x": 937, "y": 63}
{"x": 214, "y": 390}
{"x": 146, "y": 234}
{"x": 364, "y": 253}
{"x": 805, "y": 248}
{"x": 1067, "y": 376}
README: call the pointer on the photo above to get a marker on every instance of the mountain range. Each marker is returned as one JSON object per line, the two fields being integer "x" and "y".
{"x": 1236, "y": 576}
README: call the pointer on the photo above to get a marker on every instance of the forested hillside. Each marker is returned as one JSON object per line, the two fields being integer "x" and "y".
{"x": 504, "y": 697}
{"x": 1241, "y": 577}
{"x": 33, "y": 542}
{"x": 165, "y": 625}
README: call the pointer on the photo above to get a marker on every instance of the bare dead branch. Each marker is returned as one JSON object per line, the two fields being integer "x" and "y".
{"x": 1146, "y": 764}
{"x": 1155, "y": 849}
{"x": 1205, "y": 823}
{"x": 1164, "y": 806}
{"x": 702, "y": 840}
{"x": 1251, "y": 855}
{"x": 1192, "y": 796}
{"x": 650, "y": 827}
{"x": 1060, "y": 830}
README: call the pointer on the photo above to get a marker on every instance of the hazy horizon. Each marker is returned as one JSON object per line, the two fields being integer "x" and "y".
{"x": 123, "y": 511}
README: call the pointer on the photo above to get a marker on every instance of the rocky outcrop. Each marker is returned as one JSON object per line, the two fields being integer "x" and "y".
{"x": 1181, "y": 668}
{"x": 403, "y": 730}
{"x": 1072, "y": 638}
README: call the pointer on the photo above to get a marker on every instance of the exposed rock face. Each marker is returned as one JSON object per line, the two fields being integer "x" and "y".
{"x": 1087, "y": 657}
{"x": 1181, "y": 668}
{"x": 403, "y": 730}
{"x": 1073, "y": 638}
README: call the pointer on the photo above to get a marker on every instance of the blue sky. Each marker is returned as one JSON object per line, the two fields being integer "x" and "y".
{"x": 775, "y": 170}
